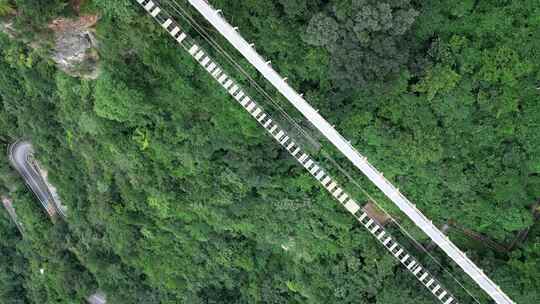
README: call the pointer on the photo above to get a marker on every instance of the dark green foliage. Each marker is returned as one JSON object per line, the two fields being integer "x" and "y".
{"x": 175, "y": 195}
{"x": 38, "y": 12}
{"x": 365, "y": 38}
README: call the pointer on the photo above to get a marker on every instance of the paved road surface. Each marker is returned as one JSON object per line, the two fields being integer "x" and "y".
{"x": 20, "y": 156}
{"x": 20, "y": 153}
{"x": 8, "y": 204}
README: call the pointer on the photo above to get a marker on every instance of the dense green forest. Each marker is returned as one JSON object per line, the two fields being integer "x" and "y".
{"x": 176, "y": 195}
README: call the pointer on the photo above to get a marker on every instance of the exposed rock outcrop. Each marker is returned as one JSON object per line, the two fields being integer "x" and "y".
{"x": 75, "y": 46}
{"x": 6, "y": 26}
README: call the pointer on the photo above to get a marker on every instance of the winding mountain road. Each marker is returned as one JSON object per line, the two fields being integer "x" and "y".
{"x": 21, "y": 158}
{"x": 20, "y": 154}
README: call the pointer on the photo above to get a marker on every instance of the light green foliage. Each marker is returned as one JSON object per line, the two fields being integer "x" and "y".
{"x": 439, "y": 79}
{"x": 322, "y": 31}
{"x": 115, "y": 100}
{"x": 119, "y": 9}
{"x": 6, "y": 8}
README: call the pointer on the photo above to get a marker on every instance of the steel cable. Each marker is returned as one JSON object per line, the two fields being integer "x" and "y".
{"x": 207, "y": 37}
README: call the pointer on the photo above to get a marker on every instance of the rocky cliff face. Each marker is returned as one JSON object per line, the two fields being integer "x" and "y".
{"x": 75, "y": 46}
{"x": 6, "y": 26}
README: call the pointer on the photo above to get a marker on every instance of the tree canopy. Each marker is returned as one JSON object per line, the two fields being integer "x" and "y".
{"x": 176, "y": 195}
